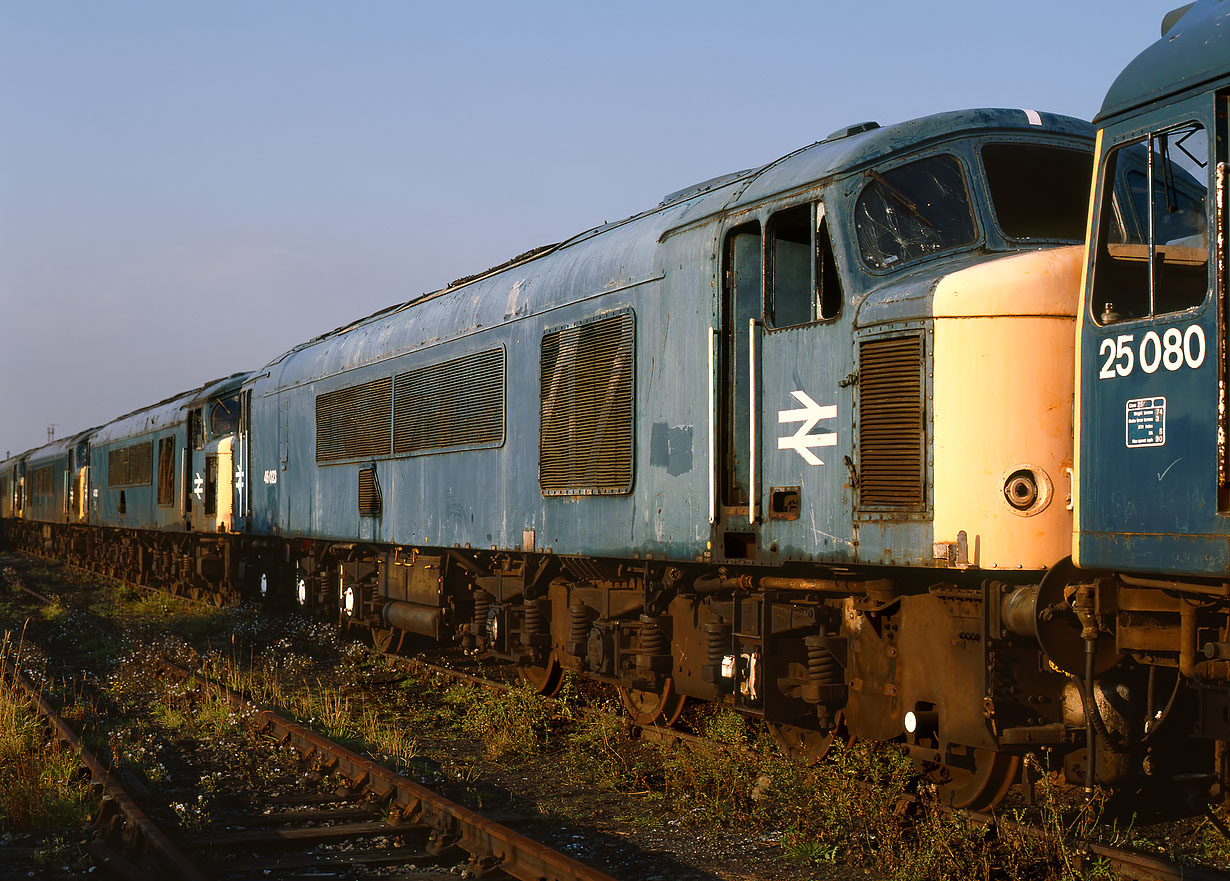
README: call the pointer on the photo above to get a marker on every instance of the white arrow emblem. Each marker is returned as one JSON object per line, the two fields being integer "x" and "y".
{"x": 802, "y": 440}
{"x": 198, "y": 486}
{"x": 239, "y": 479}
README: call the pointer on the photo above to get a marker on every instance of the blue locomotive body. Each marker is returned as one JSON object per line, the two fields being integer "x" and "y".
{"x": 1154, "y": 491}
{"x": 625, "y": 394}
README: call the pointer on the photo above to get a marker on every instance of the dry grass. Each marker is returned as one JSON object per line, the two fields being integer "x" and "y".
{"x": 41, "y": 786}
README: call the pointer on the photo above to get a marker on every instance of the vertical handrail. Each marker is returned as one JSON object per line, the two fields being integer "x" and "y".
{"x": 751, "y": 420}
{"x": 712, "y": 426}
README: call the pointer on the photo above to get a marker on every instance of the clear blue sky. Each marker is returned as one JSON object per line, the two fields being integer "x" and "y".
{"x": 187, "y": 190}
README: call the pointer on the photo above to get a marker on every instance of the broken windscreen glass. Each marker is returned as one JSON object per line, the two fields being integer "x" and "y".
{"x": 913, "y": 211}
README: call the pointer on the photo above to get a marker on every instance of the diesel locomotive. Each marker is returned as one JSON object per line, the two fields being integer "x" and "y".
{"x": 798, "y": 439}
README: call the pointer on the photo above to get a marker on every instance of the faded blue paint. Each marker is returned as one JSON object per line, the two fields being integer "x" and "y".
{"x": 1190, "y": 57}
{"x": 663, "y": 265}
{"x": 1154, "y": 507}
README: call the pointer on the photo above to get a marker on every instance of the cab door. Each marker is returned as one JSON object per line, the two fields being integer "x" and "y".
{"x": 741, "y": 313}
{"x": 1152, "y": 483}
{"x": 194, "y": 472}
{"x": 807, "y": 369}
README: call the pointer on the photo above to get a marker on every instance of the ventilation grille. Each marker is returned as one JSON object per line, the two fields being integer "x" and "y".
{"x": 41, "y": 482}
{"x": 131, "y": 466}
{"x": 458, "y": 403}
{"x": 587, "y": 379}
{"x": 370, "y": 503}
{"x": 354, "y": 422}
{"x": 890, "y": 424}
{"x": 166, "y": 471}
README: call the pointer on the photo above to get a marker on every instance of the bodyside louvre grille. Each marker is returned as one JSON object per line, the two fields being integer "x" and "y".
{"x": 458, "y": 403}
{"x": 355, "y": 422}
{"x": 370, "y": 502}
{"x": 890, "y": 424}
{"x": 166, "y": 471}
{"x": 41, "y": 482}
{"x": 131, "y": 466}
{"x": 586, "y": 444}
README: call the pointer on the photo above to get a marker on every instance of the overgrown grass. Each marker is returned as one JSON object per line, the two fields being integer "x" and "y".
{"x": 41, "y": 787}
{"x": 511, "y": 724}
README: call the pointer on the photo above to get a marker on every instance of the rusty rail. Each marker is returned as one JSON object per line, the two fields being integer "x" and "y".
{"x": 491, "y": 844}
{"x": 172, "y": 858}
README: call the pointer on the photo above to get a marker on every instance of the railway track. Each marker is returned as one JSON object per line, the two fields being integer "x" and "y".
{"x": 418, "y": 826}
{"x": 375, "y": 819}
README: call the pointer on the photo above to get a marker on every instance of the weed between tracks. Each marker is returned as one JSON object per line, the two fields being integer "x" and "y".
{"x": 40, "y": 784}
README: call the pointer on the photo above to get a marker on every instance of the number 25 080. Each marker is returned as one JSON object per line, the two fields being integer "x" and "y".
{"x": 1171, "y": 350}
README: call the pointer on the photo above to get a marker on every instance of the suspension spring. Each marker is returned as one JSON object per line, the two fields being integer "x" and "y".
{"x": 535, "y": 620}
{"x": 579, "y": 629}
{"x": 822, "y": 667}
{"x": 717, "y": 641}
{"x": 482, "y": 605}
{"x": 653, "y": 638}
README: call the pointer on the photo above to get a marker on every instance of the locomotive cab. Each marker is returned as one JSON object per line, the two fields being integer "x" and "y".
{"x": 212, "y": 476}
{"x": 1152, "y": 533}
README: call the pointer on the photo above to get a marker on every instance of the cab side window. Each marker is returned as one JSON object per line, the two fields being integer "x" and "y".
{"x": 224, "y": 417}
{"x": 802, "y": 284}
{"x": 1152, "y": 254}
{"x": 196, "y": 430}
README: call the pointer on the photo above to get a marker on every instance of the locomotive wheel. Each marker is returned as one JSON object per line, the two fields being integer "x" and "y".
{"x": 662, "y": 707}
{"x": 545, "y": 680}
{"x": 979, "y": 789}
{"x": 807, "y": 747}
{"x": 388, "y": 639}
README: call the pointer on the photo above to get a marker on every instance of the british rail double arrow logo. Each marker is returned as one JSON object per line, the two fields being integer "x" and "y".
{"x": 803, "y": 440}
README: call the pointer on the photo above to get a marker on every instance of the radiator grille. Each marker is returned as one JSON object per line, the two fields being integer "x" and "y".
{"x": 141, "y": 464}
{"x": 890, "y": 424}
{"x": 586, "y": 444}
{"x": 354, "y": 422}
{"x": 131, "y": 466}
{"x": 166, "y": 471}
{"x": 370, "y": 503}
{"x": 41, "y": 482}
{"x": 453, "y": 404}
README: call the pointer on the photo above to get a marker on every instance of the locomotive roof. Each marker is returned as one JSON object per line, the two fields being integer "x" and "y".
{"x": 165, "y": 412}
{"x": 53, "y": 450}
{"x": 628, "y": 246}
{"x": 1193, "y": 50}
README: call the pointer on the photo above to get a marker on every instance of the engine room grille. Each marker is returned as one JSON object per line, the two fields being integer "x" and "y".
{"x": 453, "y": 404}
{"x": 890, "y": 424}
{"x": 166, "y": 471}
{"x": 131, "y": 466}
{"x": 370, "y": 502}
{"x": 41, "y": 482}
{"x": 355, "y": 422}
{"x": 586, "y": 441}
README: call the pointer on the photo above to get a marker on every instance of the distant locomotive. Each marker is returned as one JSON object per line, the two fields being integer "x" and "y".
{"x": 798, "y": 439}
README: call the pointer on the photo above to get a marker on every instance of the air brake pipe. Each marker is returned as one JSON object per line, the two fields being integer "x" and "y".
{"x": 773, "y": 582}
{"x": 1187, "y": 639}
{"x": 1083, "y": 606}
